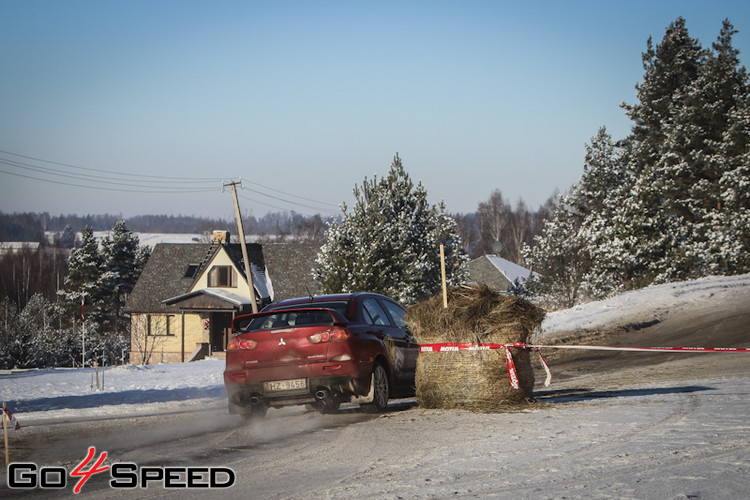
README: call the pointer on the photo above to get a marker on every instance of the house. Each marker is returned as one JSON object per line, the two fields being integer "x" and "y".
{"x": 496, "y": 272}
{"x": 186, "y": 297}
{"x": 8, "y": 247}
{"x": 184, "y": 302}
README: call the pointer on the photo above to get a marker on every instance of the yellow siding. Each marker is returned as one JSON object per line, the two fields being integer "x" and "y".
{"x": 151, "y": 349}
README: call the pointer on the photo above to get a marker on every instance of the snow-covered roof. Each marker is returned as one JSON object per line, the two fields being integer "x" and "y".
{"x": 219, "y": 293}
{"x": 262, "y": 282}
{"x": 511, "y": 271}
{"x": 15, "y": 246}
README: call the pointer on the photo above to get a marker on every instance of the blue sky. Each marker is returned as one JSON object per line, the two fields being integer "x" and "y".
{"x": 138, "y": 107}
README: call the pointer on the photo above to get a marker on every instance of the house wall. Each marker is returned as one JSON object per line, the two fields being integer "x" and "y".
{"x": 159, "y": 347}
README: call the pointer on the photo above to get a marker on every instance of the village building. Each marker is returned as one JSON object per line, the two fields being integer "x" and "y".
{"x": 182, "y": 306}
{"x": 497, "y": 273}
{"x": 8, "y": 247}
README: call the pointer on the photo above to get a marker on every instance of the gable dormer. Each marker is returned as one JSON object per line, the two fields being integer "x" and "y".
{"x": 221, "y": 271}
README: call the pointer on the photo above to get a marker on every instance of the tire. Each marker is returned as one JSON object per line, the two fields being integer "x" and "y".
{"x": 381, "y": 390}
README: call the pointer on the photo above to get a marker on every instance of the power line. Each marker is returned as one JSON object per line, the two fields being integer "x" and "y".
{"x": 88, "y": 178}
{"x": 288, "y": 201}
{"x": 286, "y": 209}
{"x": 152, "y": 191}
{"x": 334, "y": 205}
{"x": 124, "y": 174}
{"x": 39, "y": 169}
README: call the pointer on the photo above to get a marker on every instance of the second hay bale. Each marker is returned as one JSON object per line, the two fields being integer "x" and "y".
{"x": 473, "y": 380}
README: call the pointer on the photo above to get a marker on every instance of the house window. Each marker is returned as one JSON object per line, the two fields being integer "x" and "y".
{"x": 222, "y": 276}
{"x": 190, "y": 271}
{"x": 159, "y": 326}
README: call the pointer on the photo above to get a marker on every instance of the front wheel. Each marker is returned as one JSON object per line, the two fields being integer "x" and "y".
{"x": 379, "y": 389}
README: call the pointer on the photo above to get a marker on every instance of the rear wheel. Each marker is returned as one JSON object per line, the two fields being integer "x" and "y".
{"x": 380, "y": 391}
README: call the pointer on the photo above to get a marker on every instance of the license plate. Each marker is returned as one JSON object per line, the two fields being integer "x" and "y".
{"x": 285, "y": 385}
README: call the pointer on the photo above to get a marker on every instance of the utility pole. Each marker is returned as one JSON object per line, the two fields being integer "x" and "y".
{"x": 83, "y": 331}
{"x": 241, "y": 232}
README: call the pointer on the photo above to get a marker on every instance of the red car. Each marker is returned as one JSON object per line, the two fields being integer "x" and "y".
{"x": 322, "y": 351}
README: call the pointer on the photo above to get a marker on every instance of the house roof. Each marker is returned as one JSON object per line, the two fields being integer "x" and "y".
{"x": 509, "y": 269}
{"x": 164, "y": 276}
{"x": 289, "y": 267}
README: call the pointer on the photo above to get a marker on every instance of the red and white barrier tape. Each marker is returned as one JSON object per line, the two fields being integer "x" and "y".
{"x": 512, "y": 374}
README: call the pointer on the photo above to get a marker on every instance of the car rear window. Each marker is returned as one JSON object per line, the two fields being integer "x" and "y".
{"x": 291, "y": 319}
{"x": 341, "y": 306}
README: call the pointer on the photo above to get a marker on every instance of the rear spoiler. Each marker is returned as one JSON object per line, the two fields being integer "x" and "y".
{"x": 240, "y": 322}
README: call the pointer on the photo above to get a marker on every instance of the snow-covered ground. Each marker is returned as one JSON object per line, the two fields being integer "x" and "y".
{"x": 131, "y": 390}
{"x": 646, "y": 305}
{"x": 60, "y": 393}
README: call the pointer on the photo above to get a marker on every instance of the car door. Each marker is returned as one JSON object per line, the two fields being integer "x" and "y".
{"x": 394, "y": 339}
{"x": 410, "y": 347}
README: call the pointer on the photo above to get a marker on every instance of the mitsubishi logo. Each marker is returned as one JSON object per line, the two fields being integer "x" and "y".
{"x": 281, "y": 341}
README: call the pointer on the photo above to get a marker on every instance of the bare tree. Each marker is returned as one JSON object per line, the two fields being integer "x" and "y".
{"x": 145, "y": 337}
{"x": 493, "y": 216}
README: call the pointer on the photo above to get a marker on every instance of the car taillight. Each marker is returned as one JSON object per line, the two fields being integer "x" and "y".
{"x": 335, "y": 335}
{"x": 236, "y": 344}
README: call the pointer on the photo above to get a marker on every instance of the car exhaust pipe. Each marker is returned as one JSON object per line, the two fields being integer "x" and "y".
{"x": 254, "y": 400}
{"x": 321, "y": 394}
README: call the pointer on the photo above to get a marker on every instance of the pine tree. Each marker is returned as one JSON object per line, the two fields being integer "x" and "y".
{"x": 680, "y": 152}
{"x": 560, "y": 259}
{"x": 719, "y": 160}
{"x": 389, "y": 242}
{"x": 671, "y": 201}
{"x": 670, "y": 69}
{"x": 120, "y": 271}
{"x": 84, "y": 273}
{"x": 598, "y": 201}
{"x": 603, "y": 172}
{"x": 580, "y": 252}
{"x": 68, "y": 237}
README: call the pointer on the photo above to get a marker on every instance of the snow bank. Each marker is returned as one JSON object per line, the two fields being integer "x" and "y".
{"x": 128, "y": 389}
{"x": 645, "y": 305}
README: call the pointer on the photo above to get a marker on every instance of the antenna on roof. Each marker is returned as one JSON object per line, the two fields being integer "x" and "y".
{"x": 309, "y": 295}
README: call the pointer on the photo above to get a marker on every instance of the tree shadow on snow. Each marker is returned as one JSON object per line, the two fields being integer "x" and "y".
{"x": 583, "y": 394}
{"x": 97, "y": 399}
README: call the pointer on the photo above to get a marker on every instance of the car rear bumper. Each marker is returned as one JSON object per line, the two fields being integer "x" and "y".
{"x": 246, "y": 388}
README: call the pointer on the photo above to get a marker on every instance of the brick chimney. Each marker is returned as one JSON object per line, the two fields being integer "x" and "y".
{"x": 221, "y": 236}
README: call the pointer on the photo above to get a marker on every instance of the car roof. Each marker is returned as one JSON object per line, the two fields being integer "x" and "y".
{"x": 322, "y": 298}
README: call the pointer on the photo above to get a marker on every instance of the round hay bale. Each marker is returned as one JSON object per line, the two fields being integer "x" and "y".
{"x": 473, "y": 380}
